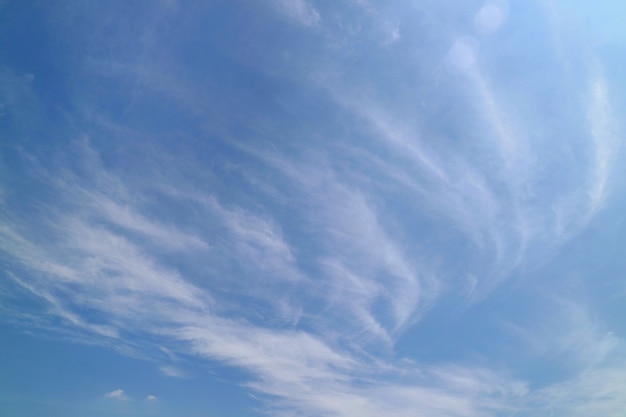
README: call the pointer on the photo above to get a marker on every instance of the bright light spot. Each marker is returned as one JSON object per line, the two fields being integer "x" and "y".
{"x": 462, "y": 55}
{"x": 490, "y": 17}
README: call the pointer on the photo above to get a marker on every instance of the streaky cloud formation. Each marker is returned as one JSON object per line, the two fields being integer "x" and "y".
{"x": 299, "y": 11}
{"x": 339, "y": 209}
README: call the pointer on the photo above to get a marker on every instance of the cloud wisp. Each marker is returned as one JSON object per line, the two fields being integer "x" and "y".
{"x": 112, "y": 280}
{"x": 298, "y": 11}
{"x": 117, "y": 394}
{"x": 326, "y": 255}
{"x": 109, "y": 286}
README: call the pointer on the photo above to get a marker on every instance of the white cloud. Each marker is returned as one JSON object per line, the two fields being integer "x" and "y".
{"x": 600, "y": 391}
{"x": 258, "y": 240}
{"x": 452, "y": 187}
{"x": 605, "y": 141}
{"x": 299, "y": 11}
{"x": 358, "y": 256}
{"x": 369, "y": 283}
{"x": 305, "y": 298}
{"x": 172, "y": 371}
{"x": 304, "y": 374}
{"x": 151, "y": 398}
{"x": 305, "y": 371}
{"x": 568, "y": 332}
{"x": 118, "y": 394}
{"x": 501, "y": 190}
{"x": 128, "y": 218}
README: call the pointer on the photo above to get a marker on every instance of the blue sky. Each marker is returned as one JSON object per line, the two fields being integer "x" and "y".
{"x": 310, "y": 208}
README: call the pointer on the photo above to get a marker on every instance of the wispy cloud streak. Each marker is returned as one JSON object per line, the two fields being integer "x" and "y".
{"x": 299, "y": 11}
{"x": 602, "y": 127}
{"x": 112, "y": 286}
{"x": 306, "y": 251}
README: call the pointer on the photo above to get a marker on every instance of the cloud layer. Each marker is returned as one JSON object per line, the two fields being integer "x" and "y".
{"x": 323, "y": 212}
